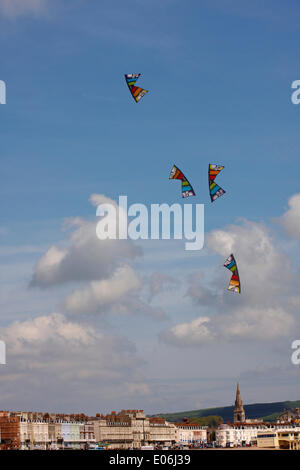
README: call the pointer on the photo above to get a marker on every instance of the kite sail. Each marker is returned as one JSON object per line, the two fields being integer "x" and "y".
{"x": 234, "y": 284}
{"x": 215, "y": 190}
{"x": 136, "y": 92}
{"x": 186, "y": 187}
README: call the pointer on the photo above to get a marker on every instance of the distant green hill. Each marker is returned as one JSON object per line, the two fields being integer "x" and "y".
{"x": 266, "y": 411}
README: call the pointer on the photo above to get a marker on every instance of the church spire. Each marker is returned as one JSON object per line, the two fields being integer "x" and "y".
{"x": 239, "y": 412}
{"x": 238, "y": 399}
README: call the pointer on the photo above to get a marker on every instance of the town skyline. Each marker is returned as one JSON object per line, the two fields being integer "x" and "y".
{"x": 237, "y": 406}
{"x": 134, "y": 430}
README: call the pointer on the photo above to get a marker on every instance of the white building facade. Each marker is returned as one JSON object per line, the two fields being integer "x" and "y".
{"x": 189, "y": 433}
{"x": 233, "y": 435}
{"x": 260, "y": 434}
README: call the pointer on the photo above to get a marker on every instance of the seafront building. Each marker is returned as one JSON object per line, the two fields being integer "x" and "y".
{"x": 289, "y": 415}
{"x": 264, "y": 435}
{"x": 131, "y": 429}
{"x": 233, "y": 435}
{"x": 243, "y": 432}
{"x": 279, "y": 438}
{"x": 23, "y": 430}
{"x": 190, "y": 433}
{"x": 128, "y": 429}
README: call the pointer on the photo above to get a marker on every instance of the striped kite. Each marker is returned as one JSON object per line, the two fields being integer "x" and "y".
{"x": 215, "y": 190}
{"x": 186, "y": 187}
{"x": 136, "y": 92}
{"x": 234, "y": 284}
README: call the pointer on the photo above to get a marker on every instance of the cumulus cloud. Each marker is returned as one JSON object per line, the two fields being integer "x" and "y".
{"x": 254, "y": 323}
{"x": 25, "y": 337}
{"x": 260, "y": 260}
{"x": 246, "y": 324}
{"x": 193, "y": 333}
{"x": 290, "y": 220}
{"x": 52, "y": 344}
{"x": 99, "y": 294}
{"x": 15, "y": 8}
{"x": 50, "y": 357}
{"x": 108, "y": 284}
{"x": 86, "y": 258}
{"x": 263, "y": 311}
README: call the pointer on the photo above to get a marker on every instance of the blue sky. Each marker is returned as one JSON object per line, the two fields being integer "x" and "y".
{"x": 219, "y": 76}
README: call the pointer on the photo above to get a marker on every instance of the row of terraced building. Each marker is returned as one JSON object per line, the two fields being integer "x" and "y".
{"x": 128, "y": 429}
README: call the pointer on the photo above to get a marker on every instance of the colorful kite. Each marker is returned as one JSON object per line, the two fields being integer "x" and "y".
{"x": 215, "y": 191}
{"x": 186, "y": 187}
{"x": 234, "y": 284}
{"x": 136, "y": 92}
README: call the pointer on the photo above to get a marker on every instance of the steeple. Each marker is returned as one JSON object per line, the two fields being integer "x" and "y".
{"x": 239, "y": 412}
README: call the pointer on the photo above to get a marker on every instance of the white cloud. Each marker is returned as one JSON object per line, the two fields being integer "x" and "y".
{"x": 246, "y": 324}
{"x": 86, "y": 258}
{"x": 194, "y": 333}
{"x": 53, "y": 343}
{"x": 257, "y": 324}
{"x": 290, "y": 220}
{"x": 35, "y": 333}
{"x": 14, "y": 8}
{"x": 265, "y": 271}
{"x": 102, "y": 293}
{"x": 56, "y": 361}
{"x": 262, "y": 312}
{"x": 109, "y": 285}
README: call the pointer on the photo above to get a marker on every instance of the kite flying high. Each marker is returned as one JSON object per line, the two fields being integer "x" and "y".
{"x": 186, "y": 187}
{"x": 215, "y": 190}
{"x": 234, "y": 284}
{"x": 136, "y": 92}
